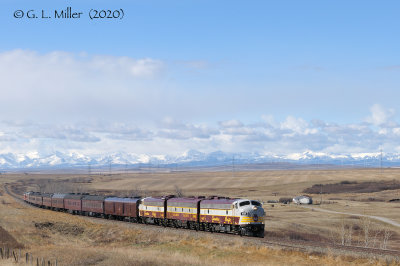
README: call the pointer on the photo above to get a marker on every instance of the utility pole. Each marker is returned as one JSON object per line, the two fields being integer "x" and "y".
{"x": 233, "y": 166}
{"x": 89, "y": 169}
{"x": 109, "y": 166}
{"x": 381, "y": 161}
{"x": 320, "y": 193}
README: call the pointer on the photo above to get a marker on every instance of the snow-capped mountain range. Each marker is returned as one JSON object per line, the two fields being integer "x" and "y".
{"x": 191, "y": 158}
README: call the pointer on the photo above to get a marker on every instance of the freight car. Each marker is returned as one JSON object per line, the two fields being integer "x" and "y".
{"x": 214, "y": 214}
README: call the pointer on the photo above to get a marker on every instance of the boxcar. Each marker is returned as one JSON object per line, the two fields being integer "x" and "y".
{"x": 121, "y": 208}
{"x": 57, "y": 201}
{"x": 93, "y": 205}
{"x": 73, "y": 203}
{"x": 183, "y": 211}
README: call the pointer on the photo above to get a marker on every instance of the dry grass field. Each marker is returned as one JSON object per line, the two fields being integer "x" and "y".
{"x": 75, "y": 240}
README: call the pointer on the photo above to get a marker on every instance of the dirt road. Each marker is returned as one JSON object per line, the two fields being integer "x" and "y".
{"x": 382, "y": 219}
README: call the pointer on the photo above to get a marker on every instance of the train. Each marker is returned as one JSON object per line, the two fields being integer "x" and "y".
{"x": 243, "y": 217}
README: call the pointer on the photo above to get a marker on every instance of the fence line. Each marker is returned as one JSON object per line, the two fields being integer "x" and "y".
{"x": 7, "y": 253}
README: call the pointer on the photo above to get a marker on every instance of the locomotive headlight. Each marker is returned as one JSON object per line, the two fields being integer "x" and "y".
{"x": 254, "y": 207}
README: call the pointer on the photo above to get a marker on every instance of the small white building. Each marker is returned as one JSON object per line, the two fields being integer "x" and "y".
{"x": 302, "y": 200}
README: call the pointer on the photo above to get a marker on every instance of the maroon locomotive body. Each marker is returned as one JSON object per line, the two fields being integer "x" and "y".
{"x": 152, "y": 208}
{"x": 218, "y": 210}
{"x": 183, "y": 209}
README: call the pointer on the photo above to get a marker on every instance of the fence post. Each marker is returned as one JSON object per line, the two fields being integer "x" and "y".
{"x": 1, "y": 253}
{"x": 26, "y": 257}
{"x": 56, "y": 262}
{"x": 37, "y": 261}
{"x": 15, "y": 256}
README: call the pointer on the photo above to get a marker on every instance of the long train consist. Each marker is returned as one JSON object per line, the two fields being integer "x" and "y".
{"x": 214, "y": 214}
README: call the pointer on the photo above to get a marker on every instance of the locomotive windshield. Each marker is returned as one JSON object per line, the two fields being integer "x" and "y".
{"x": 244, "y": 203}
{"x": 255, "y": 203}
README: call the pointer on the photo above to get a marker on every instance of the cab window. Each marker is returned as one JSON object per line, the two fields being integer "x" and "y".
{"x": 255, "y": 203}
{"x": 244, "y": 203}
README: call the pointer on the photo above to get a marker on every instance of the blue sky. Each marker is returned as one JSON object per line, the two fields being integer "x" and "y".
{"x": 176, "y": 72}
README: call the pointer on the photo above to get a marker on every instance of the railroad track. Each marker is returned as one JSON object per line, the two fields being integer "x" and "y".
{"x": 299, "y": 245}
{"x": 306, "y": 245}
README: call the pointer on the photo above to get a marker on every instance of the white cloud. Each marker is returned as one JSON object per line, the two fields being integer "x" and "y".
{"x": 380, "y": 116}
{"x": 139, "y": 68}
{"x": 60, "y": 85}
{"x": 77, "y": 64}
{"x": 396, "y": 131}
{"x": 231, "y": 123}
{"x": 270, "y": 120}
{"x": 297, "y": 125}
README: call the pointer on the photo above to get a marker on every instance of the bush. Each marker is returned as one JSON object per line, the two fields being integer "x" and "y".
{"x": 285, "y": 200}
{"x": 345, "y": 182}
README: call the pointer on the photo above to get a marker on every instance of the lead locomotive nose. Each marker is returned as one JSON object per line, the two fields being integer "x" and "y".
{"x": 255, "y": 217}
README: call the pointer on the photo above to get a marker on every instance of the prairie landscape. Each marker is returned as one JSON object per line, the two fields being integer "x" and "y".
{"x": 357, "y": 208}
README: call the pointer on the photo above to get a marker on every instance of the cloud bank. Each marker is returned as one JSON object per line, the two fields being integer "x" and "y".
{"x": 173, "y": 137}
